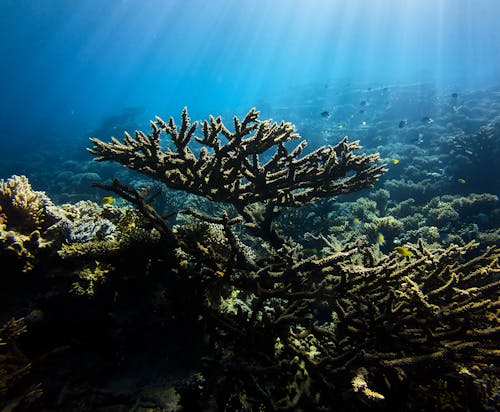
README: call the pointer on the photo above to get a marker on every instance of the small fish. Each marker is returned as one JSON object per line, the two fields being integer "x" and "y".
{"x": 395, "y": 161}
{"x": 363, "y": 123}
{"x": 325, "y": 114}
{"x": 427, "y": 119}
{"x": 403, "y": 251}
{"x": 461, "y": 181}
{"x": 454, "y": 95}
{"x": 108, "y": 200}
{"x": 340, "y": 125}
{"x": 363, "y": 103}
{"x": 356, "y": 221}
{"x": 402, "y": 124}
{"x": 361, "y": 111}
{"x": 380, "y": 239}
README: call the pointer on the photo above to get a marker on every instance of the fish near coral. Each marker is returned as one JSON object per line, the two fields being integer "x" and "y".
{"x": 108, "y": 200}
{"x": 380, "y": 239}
{"x": 403, "y": 251}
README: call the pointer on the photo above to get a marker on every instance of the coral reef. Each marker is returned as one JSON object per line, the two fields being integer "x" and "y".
{"x": 25, "y": 217}
{"x": 389, "y": 319}
{"x": 28, "y": 210}
{"x": 476, "y": 154}
{"x": 236, "y": 172}
{"x": 237, "y": 307}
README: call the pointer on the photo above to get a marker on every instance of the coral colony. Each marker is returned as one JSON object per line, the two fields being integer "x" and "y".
{"x": 260, "y": 317}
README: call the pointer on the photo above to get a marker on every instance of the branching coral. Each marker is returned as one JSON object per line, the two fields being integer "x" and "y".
{"x": 388, "y": 321}
{"x": 280, "y": 327}
{"x": 13, "y": 363}
{"x": 293, "y": 330}
{"x": 235, "y": 171}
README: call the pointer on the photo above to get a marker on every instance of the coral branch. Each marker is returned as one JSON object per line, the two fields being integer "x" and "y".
{"x": 233, "y": 171}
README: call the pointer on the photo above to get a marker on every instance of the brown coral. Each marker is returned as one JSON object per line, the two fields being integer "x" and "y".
{"x": 233, "y": 171}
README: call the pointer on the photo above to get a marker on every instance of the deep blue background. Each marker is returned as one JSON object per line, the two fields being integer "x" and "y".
{"x": 67, "y": 64}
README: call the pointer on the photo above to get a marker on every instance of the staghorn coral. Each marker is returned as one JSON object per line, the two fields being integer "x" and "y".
{"x": 348, "y": 321}
{"x": 388, "y": 321}
{"x": 235, "y": 171}
{"x": 13, "y": 363}
{"x": 342, "y": 326}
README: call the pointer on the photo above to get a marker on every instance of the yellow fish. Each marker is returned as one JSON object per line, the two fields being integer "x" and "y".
{"x": 395, "y": 161}
{"x": 461, "y": 181}
{"x": 403, "y": 251}
{"x": 356, "y": 221}
{"x": 108, "y": 200}
{"x": 381, "y": 239}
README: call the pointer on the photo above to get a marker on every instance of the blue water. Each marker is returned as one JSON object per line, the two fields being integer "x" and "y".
{"x": 66, "y": 64}
{"x": 71, "y": 69}
{"x": 416, "y": 80}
